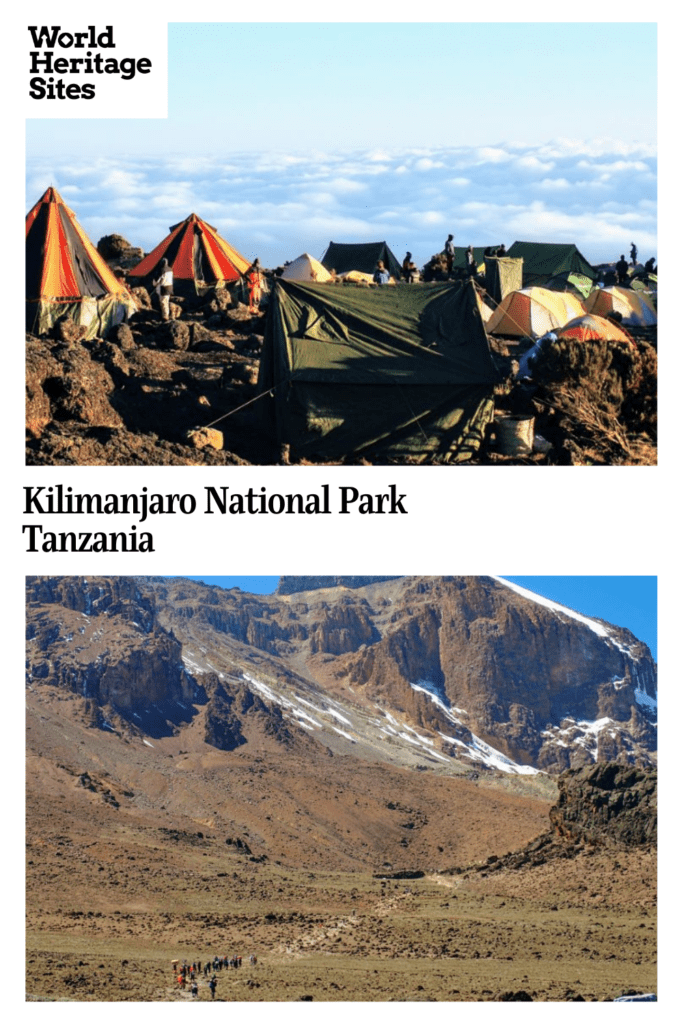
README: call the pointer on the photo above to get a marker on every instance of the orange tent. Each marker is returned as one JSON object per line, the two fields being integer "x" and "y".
{"x": 197, "y": 255}
{"x": 65, "y": 274}
{"x": 533, "y": 312}
{"x": 594, "y": 328}
{"x": 636, "y": 308}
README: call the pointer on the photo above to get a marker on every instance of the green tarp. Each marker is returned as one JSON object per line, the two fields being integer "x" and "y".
{"x": 503, "y": 275}
{"x": 543, "y": 260}
{"x": 393, "y": 371}
{"x": 363, "y": 256}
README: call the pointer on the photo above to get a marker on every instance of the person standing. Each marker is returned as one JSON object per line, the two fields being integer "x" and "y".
{"x": 212, "y": 986}
{"x": 164, "y": 289}
{"x": 621, "y": 268}
{"x": 254, "y": 285}
{"x": 634, "y": 254}
{"x": 469, "y": 262}
{"x": 449, "y": 250}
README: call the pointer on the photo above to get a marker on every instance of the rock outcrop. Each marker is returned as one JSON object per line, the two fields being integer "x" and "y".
{"x": 299, "y": 584}
{"x": 607, "y": 804}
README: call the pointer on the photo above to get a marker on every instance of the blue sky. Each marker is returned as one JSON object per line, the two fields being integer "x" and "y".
{"x": 629, "y": 601}
{"x": 288, "y": 136}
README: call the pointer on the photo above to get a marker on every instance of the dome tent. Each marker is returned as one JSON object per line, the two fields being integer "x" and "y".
{"x": 532, "y": 312}
{"x": 636, "y": 308}
{"x": 65, "y": 274}
{"x": 591, "y": 327}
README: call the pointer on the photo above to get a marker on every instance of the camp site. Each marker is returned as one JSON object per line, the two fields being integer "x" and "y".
{"x": 493, "y": 354}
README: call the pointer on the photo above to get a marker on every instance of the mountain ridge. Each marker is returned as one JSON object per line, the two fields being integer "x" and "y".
{"x": 465, "y": 670}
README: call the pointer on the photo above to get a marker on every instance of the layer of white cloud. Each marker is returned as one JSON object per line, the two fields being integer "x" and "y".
{"x": 600, "y": 194}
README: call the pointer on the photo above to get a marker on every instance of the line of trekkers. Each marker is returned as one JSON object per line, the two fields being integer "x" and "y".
{"x": 188, "y": 974}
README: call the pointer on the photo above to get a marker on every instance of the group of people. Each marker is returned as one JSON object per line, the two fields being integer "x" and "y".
{"x": 410, "y": 273}
{"x": 189, "y": 974}
{"x": 622, "y": 265}
{"x": 163, "y": 287}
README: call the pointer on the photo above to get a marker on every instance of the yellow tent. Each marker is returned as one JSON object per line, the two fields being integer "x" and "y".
{"x": 532, "y": 312}
{"x": 306, "y": 268}
{"x": 636, "y": 308}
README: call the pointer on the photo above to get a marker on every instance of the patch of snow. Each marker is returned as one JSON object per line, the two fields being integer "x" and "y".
{"x": 337, "y": 715}
{"x": 582, "y": 733}
{"x": 448, "y": 712}
{"x": 645, "y": 700}
{"x": 409, "y": 739}
{"x": 441, "y": 757}
{"x": 302, "y": 714}
{"x": 148, "y": 744}
{"x": 559, "y": 609}
{"x": 481, "y": 751}
{"x": 344, "y": 734}
{"x": 427, "y": 686}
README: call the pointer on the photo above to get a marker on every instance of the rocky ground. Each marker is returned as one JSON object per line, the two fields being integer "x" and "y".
{"x": 140, "y": 396}
{"x": 137, "y": 855}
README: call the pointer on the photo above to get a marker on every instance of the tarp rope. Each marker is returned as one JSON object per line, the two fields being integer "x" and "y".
{"x": 232, "y": 412}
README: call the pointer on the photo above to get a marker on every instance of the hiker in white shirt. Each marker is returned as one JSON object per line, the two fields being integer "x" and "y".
{"x": 164, "y": 289}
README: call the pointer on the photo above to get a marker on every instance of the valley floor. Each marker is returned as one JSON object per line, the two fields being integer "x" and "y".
{"x": 584, "y": 928}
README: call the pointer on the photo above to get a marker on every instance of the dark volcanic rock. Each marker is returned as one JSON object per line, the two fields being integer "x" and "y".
{"x": 122, "y": 336}
{"x": 174, "y": 334}
{"x": 64, "y": 382}
{"x": 607, "y": 803}
{"x": 115, "y": 248}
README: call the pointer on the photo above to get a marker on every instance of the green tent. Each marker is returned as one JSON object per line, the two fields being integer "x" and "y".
{"x": 478, "y": 251}
{"x": 383, "y": 372}
{"x": 363, "y": 256}
{"x": 543, "y": 260}
{"x": 571, "y": 282}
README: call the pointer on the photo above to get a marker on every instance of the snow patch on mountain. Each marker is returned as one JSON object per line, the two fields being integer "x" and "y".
{"x": 559, "y": 609}
{"x": 645, "y": 700}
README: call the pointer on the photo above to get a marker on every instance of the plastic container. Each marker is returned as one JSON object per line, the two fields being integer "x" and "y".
{"x": 515, "y": 435}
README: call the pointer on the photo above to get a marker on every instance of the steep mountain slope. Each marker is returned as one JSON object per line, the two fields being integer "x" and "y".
{"x": 449, "y": 673}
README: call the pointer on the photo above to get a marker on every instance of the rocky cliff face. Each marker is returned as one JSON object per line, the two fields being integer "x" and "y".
{"x": 451, "y": 670}
{"x": 298, "y": 584}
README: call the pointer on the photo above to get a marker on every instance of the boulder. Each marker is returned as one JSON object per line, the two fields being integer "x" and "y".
{"x": 68, "y": 331}
{"x": 141, "y": 297}
{"x": 174, "y": 334}
{"x": 205, "y": 437}
{"x": 122, "y": 336}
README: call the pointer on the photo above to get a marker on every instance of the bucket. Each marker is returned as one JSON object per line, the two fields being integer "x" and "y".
{"x": 515, "y": 435}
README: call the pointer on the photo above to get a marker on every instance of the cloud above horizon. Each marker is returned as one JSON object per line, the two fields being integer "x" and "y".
{"x": 601, "y": 195}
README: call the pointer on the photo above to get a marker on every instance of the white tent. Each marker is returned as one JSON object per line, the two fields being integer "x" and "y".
{"x": 306, "y": 268}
